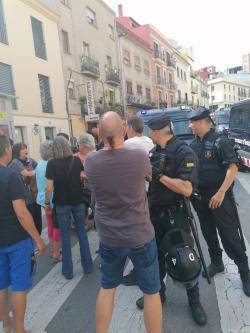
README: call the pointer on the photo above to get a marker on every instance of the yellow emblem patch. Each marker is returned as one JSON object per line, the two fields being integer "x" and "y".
{"x": 190, "y": 164}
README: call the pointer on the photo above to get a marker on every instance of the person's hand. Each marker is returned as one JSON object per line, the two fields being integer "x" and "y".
{"x": 217, "y": 200}
{"x": 40, "y": 246}
{"x": 156, "y": 173}
{"x": 82, "y": 176}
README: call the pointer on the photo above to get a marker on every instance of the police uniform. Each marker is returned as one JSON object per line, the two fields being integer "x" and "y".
{"x": 166, "y": 207}
{"x": 215, "y": 154}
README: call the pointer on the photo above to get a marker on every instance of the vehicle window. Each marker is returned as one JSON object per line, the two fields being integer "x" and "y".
{"x": 240, "y": 118}
{"x": 181, "y": 127}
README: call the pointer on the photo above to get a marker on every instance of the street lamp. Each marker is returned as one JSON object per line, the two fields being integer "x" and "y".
{"x": 122, "y": 93}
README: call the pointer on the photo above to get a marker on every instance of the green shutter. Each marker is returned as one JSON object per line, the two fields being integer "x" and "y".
{"x": 39, "y": 44}
{"x": 6, "y": 82}
{"x": 3, "y": 31}
{"x": 46, "y": 98}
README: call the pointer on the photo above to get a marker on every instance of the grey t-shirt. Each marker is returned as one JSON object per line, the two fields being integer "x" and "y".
{"x": 117, "y": 179}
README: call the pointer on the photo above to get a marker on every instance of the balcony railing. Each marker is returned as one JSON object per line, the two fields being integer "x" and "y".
{"x": 194, "y": 89}
{"x": 161, "y": 81}
{"x": 172, "y": 86}
{"x": 90, "y": 67}
{"x": 171, "y": 62}
{"x": 157, "y": 54}
{"x": 135, "y": 99}
{"x": 113, "y": 77}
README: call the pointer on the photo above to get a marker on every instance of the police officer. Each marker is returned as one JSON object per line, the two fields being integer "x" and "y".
{"x": 217, "y": 210}
{"x": 168, "y": 186}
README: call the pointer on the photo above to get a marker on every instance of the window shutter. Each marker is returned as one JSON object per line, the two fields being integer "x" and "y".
{"x": 37, "y": 29}
{"x": 3, "y": 31}
{"x": 46, "y": 98}
{"x": 6, "y": 82}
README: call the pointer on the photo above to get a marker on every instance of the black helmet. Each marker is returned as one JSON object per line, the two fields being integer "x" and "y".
{"x": 182, "y": 262}
{"x": 183, "y": 265}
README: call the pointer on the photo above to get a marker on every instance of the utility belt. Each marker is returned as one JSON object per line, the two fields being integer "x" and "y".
{"x": 169, "y": 209}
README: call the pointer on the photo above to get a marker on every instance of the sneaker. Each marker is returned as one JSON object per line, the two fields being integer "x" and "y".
{"x": 130, "y": 279}
{"x": 213, "y": 269}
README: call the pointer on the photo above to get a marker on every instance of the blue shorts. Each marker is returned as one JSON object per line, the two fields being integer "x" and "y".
{"x": 17, "y": 266}
{"x": 144, "y": 259}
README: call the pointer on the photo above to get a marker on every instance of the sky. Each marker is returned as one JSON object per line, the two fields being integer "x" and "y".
{"x": 218, "y": 30}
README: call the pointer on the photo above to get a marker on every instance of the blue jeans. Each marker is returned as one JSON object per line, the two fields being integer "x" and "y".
{"x": 144, "y": 259}
{"x": 63, "y": 216}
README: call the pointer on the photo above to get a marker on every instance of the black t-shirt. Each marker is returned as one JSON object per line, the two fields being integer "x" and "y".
{"x": 67, "y": 184}
{"x": 11, "y": 189}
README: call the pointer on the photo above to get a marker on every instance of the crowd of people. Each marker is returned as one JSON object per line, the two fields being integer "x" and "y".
{"x": 136, "y": 191}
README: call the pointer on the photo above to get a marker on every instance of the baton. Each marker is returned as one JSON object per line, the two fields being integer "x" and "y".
{"x": 196, "y": 237}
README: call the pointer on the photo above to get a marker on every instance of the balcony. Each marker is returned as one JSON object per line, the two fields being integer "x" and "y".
{"x": 193, "y": 74}
{"x": 157, "y": 54}
{"x": 160, "y": 81}
{"x": 172, "y": 86}
{"x": 171, "y": 62}
{"x": 90, "y": 67}
{"x": 113, "y": 77}
{"x": 138, "y": 100}
{"x": 194, "y": 89}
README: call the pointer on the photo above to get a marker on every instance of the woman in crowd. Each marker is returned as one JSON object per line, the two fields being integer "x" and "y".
{"x": 25, "y": 167}
{"x": 64, "y": 176}
{"x": 86, "y": 144}
{"x": 53, "y": 230}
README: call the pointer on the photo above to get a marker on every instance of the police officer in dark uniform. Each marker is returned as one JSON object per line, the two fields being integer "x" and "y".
{"x": 168, "y": 186}
{"x": 217, "y": 168}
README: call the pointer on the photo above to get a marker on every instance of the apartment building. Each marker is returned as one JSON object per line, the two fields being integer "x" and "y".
{"x": 136, "y": 57}
{"x": 182, "y": 79}
{"x": 89, "y": 49}
{"x": 224, "y": 90}
{"x": 31, "y": 70}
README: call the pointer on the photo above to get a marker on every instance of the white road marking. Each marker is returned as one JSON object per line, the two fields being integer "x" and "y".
{"x": 47, "y": 297}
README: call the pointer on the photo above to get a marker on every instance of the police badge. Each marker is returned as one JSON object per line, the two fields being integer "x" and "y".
{"x": 208, "y": 153}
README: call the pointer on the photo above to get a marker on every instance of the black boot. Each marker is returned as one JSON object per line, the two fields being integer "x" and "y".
{"x": 140, "y": 301}
{"x": 245, "y": 278}
{"x": 213, "y": 269}
{"x": 130, "y": 279}
{"x": 198, "y": 313}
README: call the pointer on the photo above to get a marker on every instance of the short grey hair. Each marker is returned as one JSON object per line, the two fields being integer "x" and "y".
{"x": 46, "y": 150}
{"x": 61, "y": 148}
{"x": 87, "y": 140}
{"x": 166, "y": 130}
{"x": 4, "y": 144}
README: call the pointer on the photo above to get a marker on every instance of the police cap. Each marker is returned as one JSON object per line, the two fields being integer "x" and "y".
{"x": 199, "y": 113}
{"x": 159, "y": 122}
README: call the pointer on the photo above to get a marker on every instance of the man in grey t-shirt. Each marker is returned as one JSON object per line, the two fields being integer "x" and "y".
{"x": 117, "y": 177}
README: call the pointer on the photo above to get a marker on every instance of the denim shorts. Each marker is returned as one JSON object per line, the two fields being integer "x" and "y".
{"x": 144, "y": 259}
{"x": 17, "y": 266}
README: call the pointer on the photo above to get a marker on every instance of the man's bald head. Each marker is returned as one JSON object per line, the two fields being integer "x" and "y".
{"x": 111, "y": 128}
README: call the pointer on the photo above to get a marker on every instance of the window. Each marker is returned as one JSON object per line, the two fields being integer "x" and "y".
{"x": 126, "y": 57}
{"x": 179, "y": 96}
{"x": 46, "y": 98}
{"x": 6, "y": 82}
{"x": 229, "y": 87}
{"x": 3, "y": 31}
{"x": 19, "y": 134}
{"x": 111, "y": 32}
{"x": 109, "y": 62}
{"x": 111, "y": 98}
{"x": 91, "y": 16}
{"x": 86, "y": 52}
{"x": 170, "y": 78}
{"x": 129, "y": 87}
{"x": 164, "y": 55}
{"x": 148, "y": 93}
{"x": 66, "y": 2}
{"x": 159, "y": 97}
{"x": 49, "y": 133}
{"x": 185, "y": 76}
{"x": 71, "y": 89}
{"x": 137, "y": 63}
{"x": 186, "y": 97}
{"x": 171, "y": 100}
{"x": 178, "y": 72}
{"x": 139, "y": 89}
{"x": 158, "y": 71}
{"x": 146, "y": 67}
{"x": 39, "y": 44}
{"x": 212, "y": 88}
{"x": 65, "y": 42}
{"x": 181, "y": 74}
